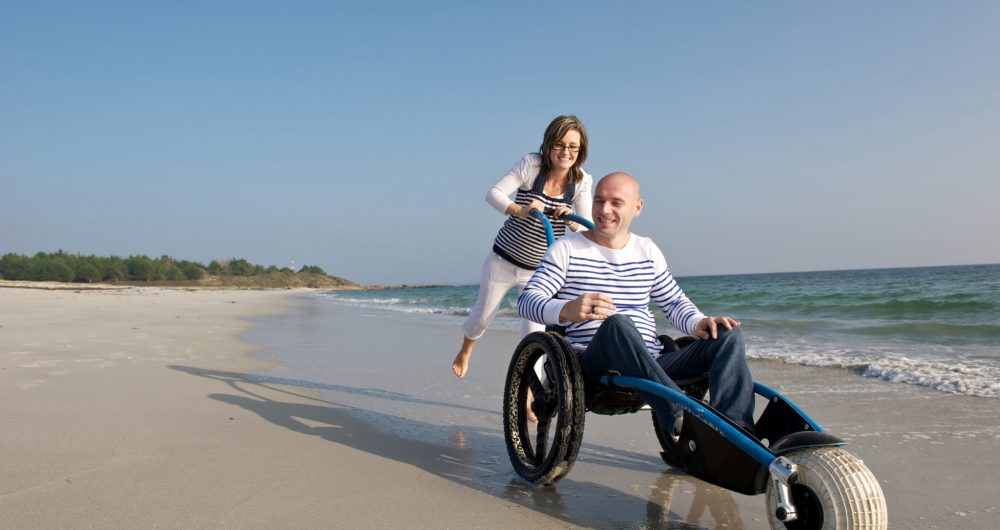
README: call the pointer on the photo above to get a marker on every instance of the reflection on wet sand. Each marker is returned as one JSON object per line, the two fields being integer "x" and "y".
{"x": 541, "y": 498}
{"x": 457, "y": 439}
{"x": 669, "y": 507}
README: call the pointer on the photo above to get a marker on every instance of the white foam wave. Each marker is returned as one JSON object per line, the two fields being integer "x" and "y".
{"x": 946, "y": 375}
{"x": 400, "y": 308}
{"x": 973, "y": 381}
{"x": 373, "y": 302}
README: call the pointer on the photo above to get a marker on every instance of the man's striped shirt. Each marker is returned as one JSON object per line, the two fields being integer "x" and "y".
{"x": 632, "y": 276}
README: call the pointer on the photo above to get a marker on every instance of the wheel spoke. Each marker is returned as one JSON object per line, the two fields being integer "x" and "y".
{"x": 524, "y": 428}
{"x": 541, "y": 440}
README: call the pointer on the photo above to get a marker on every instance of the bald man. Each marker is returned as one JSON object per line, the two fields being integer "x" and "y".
{"x": 599, "y": 283}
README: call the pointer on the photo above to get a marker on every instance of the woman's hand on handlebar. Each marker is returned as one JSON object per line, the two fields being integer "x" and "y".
{"x": 563, "y": 210}
{"x": 525, "y": 210}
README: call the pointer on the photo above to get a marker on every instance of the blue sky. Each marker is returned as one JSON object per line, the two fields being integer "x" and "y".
{"x": 362, "y": 137}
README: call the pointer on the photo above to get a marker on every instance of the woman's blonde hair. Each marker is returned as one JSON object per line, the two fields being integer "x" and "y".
{"x": 553, "y": 133}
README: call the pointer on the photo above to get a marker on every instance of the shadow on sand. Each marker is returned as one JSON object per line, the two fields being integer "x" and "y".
{"x": 484, "y": 469}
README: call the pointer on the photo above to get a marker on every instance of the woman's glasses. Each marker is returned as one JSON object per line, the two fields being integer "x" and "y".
{"x": 564, "y": 147}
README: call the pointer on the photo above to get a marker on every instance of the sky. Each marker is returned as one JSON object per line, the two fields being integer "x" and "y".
{"x": 362, "y": 136}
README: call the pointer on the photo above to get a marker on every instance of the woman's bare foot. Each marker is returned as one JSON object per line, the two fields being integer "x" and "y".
{"x": 461, "y": 363}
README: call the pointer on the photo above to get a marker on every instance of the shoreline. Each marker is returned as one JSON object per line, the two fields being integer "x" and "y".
{"x": 148, "y": 407}
{"x": 916, "y": 440}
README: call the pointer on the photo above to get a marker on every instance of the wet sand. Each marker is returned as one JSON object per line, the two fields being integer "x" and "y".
{"x": 154, "y": 408}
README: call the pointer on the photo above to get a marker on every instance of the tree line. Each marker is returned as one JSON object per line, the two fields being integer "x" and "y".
{"x": 64, "y": 267}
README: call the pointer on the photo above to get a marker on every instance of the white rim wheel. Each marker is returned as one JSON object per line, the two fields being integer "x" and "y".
{"x": 834, "y": 491}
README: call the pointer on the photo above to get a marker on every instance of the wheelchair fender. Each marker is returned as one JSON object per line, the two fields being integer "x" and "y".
{"x": 802, "y": 439}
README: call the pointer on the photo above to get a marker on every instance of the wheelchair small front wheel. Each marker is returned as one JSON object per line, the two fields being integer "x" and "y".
{"x": 545, "y": 369}
{"x": 834, "y": 490}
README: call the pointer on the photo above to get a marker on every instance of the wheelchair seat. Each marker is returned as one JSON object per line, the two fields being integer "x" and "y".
{"x": 610, "y": 400}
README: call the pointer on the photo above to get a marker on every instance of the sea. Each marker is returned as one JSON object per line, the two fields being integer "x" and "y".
{"x": 935, "y": 327}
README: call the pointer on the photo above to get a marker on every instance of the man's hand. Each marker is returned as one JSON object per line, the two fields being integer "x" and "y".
{"x": 589, "y": 306}
{"x": 708, "y": 327}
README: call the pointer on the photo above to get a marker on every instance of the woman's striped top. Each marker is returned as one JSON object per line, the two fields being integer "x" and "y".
{"x": 632, "y": 276}
{"x": 521, "y": 240}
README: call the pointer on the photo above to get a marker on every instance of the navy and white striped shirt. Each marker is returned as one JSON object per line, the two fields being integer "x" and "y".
{"x": 521, "y": 240}
{"x": 632, "y": 276}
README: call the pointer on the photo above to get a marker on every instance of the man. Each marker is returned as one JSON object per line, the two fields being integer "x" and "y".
{"x": 599, "y": 284}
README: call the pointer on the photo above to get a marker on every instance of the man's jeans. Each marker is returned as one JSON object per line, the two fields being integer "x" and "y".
{"x": 618, "y": 346}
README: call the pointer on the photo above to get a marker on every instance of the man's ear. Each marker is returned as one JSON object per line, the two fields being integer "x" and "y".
{"x": 638, "y": 207}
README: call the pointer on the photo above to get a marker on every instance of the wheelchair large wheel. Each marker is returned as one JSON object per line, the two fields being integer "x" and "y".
{"x": 834, "y": 490}
{"x": 545, "y": 367}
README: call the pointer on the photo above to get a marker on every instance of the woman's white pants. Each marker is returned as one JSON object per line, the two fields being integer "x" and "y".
{"x": 498, "y": 277}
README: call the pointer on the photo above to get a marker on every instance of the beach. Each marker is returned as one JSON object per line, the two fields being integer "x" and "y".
{"x": 177, "y": 408}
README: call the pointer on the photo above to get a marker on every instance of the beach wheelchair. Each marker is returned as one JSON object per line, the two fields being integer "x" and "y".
{"x": 809, "y": 480}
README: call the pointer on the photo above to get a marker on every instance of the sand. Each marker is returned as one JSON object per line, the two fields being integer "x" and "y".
{"x": 144, "y": 407}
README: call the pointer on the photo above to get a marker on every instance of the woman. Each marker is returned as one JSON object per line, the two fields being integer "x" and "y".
{"x": 553, "y": 178}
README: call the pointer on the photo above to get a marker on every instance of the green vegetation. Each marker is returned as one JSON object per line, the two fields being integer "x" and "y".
{"x": 165, "y": 270}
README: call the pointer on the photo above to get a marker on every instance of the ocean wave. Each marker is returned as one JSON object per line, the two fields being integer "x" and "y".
{"x": 960, "y": 332}
{"x": 969, "y": 380}
{"x": 951, "y": 375}
{"x": 921, "y": 309}
{"x": 856, "y": 309}
{"x": 911, "y": 333}
{"x": 398, "y": 305}
{"x": 370, "y": 301}
{"x": 436, "y": 305}
{"x": 789, "y": 325}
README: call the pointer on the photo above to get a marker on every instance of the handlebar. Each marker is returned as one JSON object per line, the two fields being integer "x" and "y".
{"x": 549, "y": 237}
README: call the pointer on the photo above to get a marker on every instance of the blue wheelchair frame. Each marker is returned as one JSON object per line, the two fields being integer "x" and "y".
{"x": 714, "y": 449}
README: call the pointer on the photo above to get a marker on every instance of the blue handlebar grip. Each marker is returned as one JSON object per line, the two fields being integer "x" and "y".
{"x": 578, "y": 219}
{"x": 549, "y": 238}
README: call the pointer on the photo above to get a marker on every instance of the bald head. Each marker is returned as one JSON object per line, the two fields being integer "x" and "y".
{"x": 616, "y": 203}
{"x": 619, "y": 180}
